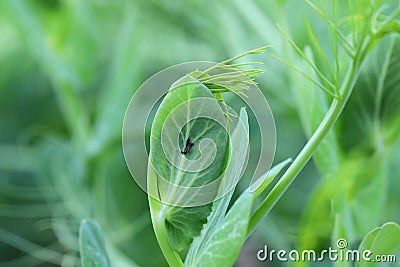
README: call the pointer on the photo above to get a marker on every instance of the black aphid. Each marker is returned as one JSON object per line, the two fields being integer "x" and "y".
{"x": 187, "y": 147}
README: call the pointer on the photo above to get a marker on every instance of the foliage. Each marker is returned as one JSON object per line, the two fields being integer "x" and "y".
{"x": 92, "y": 245}
{"x": 69, "y": 69}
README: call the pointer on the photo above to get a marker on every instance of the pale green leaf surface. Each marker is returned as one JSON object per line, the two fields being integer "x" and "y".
{"x": 358, "y": 191}
{"x": 224, "y": 241}
{"x": 196, "y": 130}
{"x": 366, "y": 194}
{"x": 371, "y": 118}
{"x": 185, "y": 223}
{"x": 238, "y": 154}
{"x": 265, "y": 179}
{"x": 383, "y": 240}
{"x": 360, "y": 186}
{"x": 92, "y": 246}
{"x": 224, "y": 246}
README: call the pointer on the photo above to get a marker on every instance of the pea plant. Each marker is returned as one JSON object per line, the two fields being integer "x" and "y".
{"x": 196, "y": 225}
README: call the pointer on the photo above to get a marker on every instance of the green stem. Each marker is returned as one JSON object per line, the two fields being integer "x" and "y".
{"x": 158, "y": 218}
{"x": 157, "y": 211}
{"x": 306, "y": 153}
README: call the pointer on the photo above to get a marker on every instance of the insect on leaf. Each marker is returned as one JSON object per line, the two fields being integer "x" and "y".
{"x": 187, "y": 149}
{"x": 237, "y": 154}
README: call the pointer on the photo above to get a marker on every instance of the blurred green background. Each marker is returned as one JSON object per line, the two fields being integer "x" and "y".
{"x": 68, "y": 69}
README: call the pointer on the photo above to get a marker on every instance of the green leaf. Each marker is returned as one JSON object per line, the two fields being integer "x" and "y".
{"x": 371, "y": 178}
{"x": 224, "y": 246}
{"x": 371, "y": 119}
{"x": 269, "y": 176}
{"x": 265, "y": 179}
{"x": 181, "y": 118}
{"x": 233, "y": 171}
{"x": 383, "y": 240}
{"x": 371, "y": 114}
{"x": 225, "y": 239}
{"x": 354, "y": 209}
{"x": 92, "y": 246}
